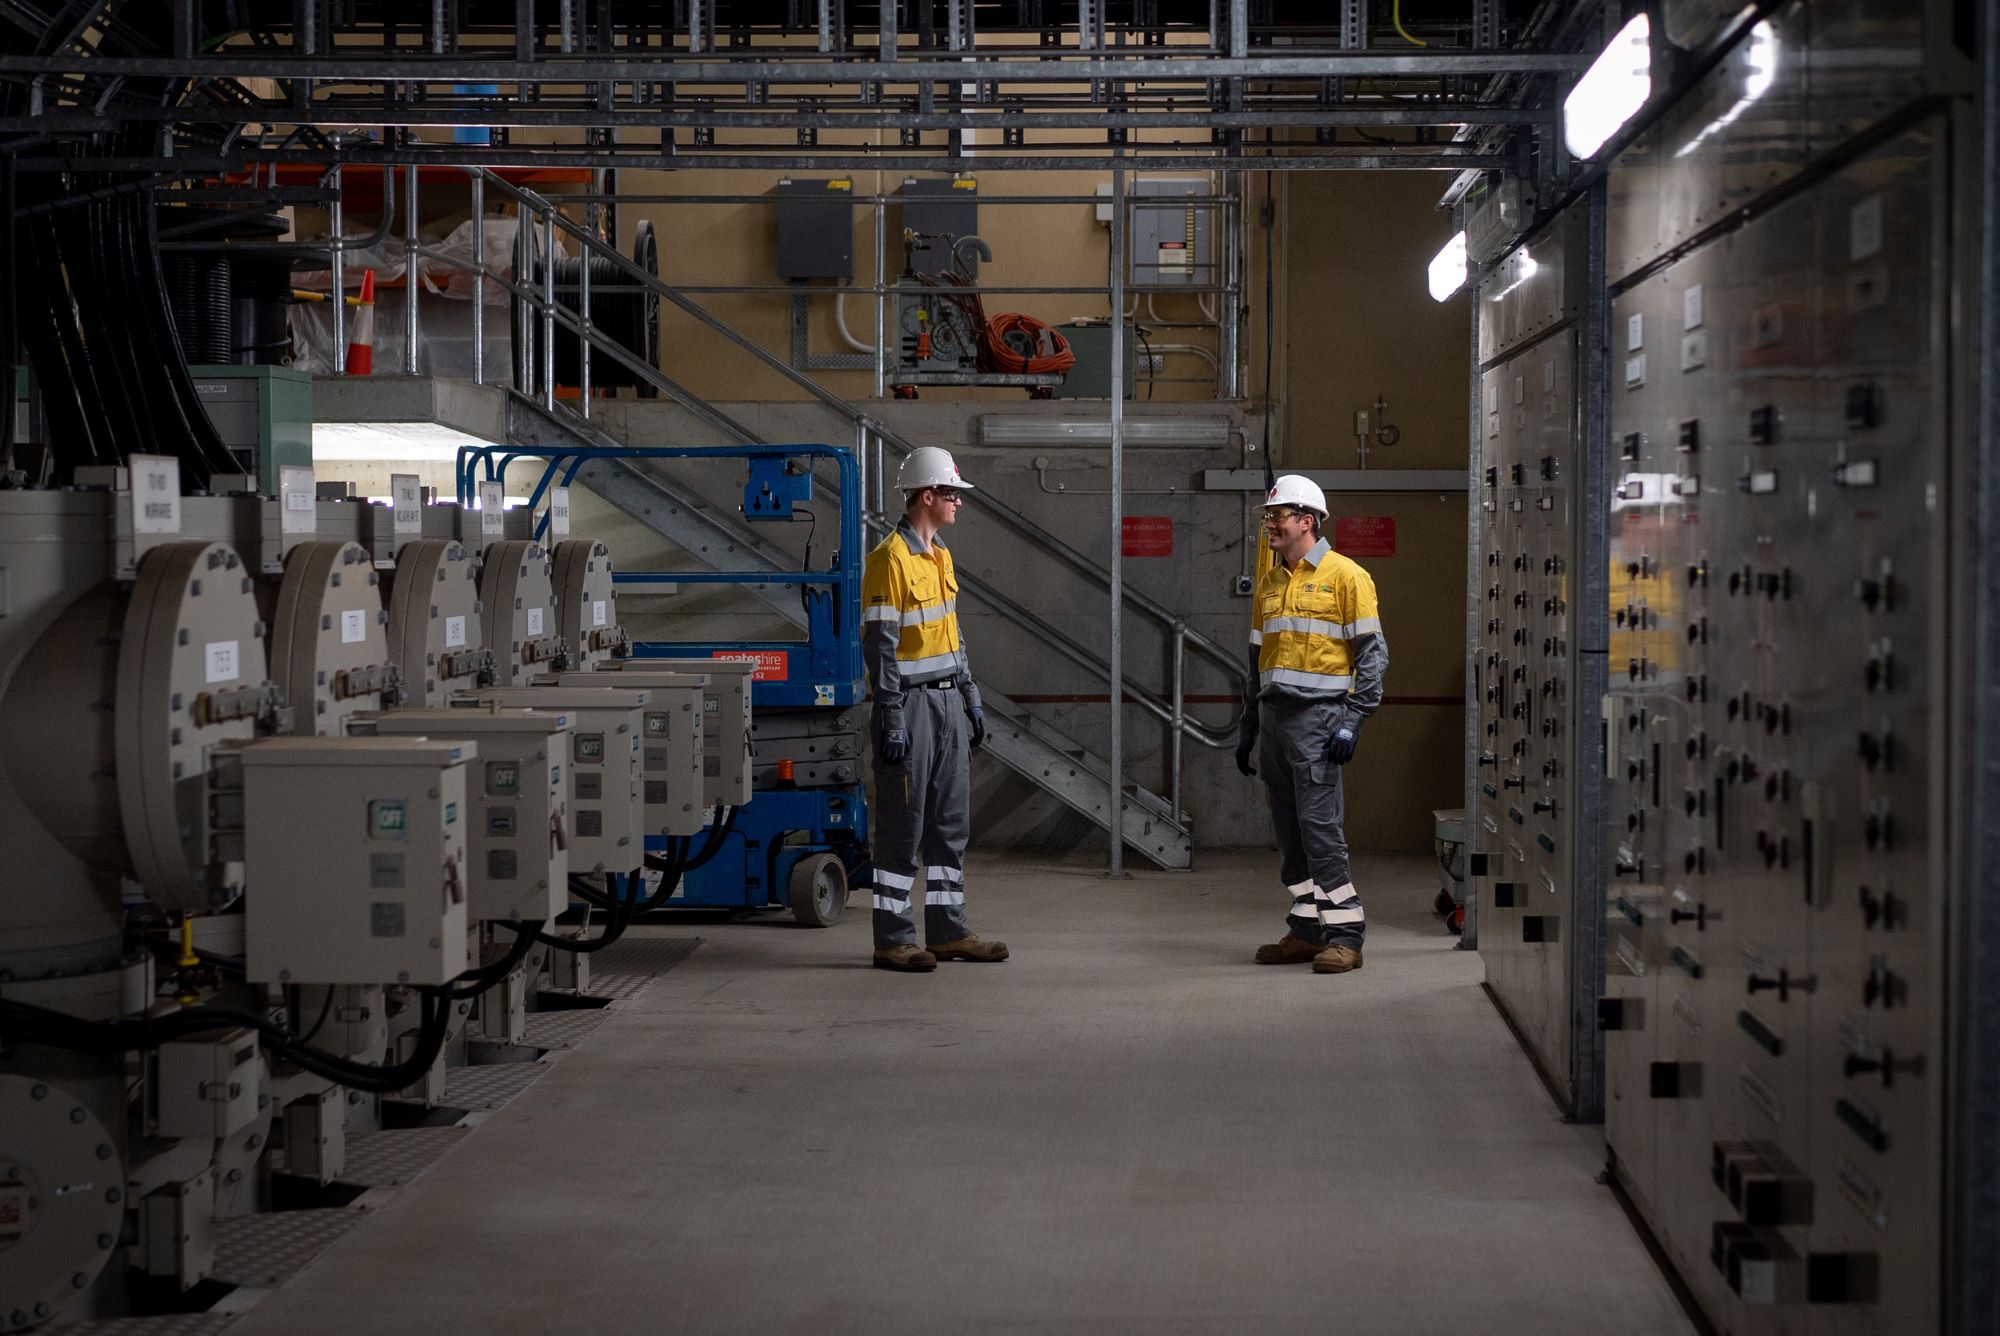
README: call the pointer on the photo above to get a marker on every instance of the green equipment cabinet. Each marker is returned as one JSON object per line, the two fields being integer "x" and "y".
{"x": 264, "y": 414}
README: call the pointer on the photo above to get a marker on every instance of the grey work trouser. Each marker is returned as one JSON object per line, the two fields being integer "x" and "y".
{"x": 1306, "y": 814}
{"x": 923, "y": 816}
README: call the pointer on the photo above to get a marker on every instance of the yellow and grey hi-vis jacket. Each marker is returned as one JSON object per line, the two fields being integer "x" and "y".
{"x": 909, "y": 621}
{"x": 1319, "y": 632}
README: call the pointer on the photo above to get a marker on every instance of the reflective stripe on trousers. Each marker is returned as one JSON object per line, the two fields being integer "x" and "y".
{"x": 1307, "y": 811}
{"x": 922, "y": 818}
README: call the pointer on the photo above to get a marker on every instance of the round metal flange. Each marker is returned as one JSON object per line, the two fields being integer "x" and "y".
{"x": 518, "y": 598}
{"x": 62, "y": 1200}
{"x": 329, "y": 644}
{"x": 587, "y": 603}
{"x": 436, "y": 639}
{"x": 191, "y": 676}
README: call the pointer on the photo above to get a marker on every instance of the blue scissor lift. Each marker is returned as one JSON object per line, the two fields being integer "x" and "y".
{"x": 789, "y": 848}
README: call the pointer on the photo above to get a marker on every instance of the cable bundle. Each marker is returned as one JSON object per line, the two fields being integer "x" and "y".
{"x": 1022, "y": 345}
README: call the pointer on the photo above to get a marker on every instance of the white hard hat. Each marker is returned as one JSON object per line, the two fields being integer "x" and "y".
{"x": 1292, "y": 490}
{"x": 928, "y": 466}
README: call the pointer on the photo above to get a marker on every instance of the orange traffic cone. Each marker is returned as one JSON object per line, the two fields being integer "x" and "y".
{"x": 361, "y": 335}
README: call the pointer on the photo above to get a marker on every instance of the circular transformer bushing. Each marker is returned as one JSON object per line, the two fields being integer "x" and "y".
{"x": 587, "y": 603}
{"x": 191, "y": 676}
{"x": 519, "y": 601}
{"x": 62, "y": 1200}
{"x": 436, "y": 638}
{"x": 329, "y": 646}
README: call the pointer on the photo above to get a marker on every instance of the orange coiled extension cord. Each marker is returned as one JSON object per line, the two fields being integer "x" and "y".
{"x": 1000, "y": 355}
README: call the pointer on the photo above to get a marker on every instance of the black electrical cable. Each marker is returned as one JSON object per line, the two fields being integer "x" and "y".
{"x": 22, "y": 1022}
{"x": 621, "y": 909}
{"x": 482, "y": 977}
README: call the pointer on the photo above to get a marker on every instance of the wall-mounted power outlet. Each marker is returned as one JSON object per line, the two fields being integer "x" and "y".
{"x": 1243, "y": 586}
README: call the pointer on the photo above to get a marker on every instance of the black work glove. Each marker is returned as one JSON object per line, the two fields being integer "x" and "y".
{"x": 892, "y": 746}
{"x": 978, "y": 718}
{"x": 1345, "y": 737}
{"x": 1246, "y": 741}
{"x": 892, "y": 737}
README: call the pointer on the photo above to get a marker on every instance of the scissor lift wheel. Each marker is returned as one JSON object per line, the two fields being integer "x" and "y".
{"x": 819, "y": 890}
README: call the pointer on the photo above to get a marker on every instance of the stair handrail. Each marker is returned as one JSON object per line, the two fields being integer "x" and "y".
{"x": 1027, "y": 528}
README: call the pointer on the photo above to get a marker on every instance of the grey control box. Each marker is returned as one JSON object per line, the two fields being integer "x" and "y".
{"x": 815, "y": 228}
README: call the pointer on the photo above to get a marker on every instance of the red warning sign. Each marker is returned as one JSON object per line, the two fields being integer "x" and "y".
{"x": 773, "y": 665}
{"x": 1149, "y": 536}
{"x": 1364, "y": 535}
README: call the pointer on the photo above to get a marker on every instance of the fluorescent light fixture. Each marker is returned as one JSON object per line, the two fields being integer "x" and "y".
{"x": 1448, "y": 269}
{"x": 389, "y": 442}
{"x": 1019, "y": 429}
{"x": 1611, "y": 91}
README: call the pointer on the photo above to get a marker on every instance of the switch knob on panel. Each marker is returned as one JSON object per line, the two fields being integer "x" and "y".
{"x": 1785, "y": 984}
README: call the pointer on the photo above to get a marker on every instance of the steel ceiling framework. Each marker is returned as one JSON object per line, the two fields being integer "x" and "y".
{"x": 202, "y": 86}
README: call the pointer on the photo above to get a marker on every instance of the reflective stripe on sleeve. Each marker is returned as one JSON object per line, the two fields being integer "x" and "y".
{"x": 1364, "y": 626}
{"x": 881, "y": 612}
{"x": 1256, "y": 636}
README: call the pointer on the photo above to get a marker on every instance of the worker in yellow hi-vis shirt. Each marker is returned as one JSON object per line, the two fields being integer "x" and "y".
{"x": 927, "y": 719}
{"x": 1319, "y": 657}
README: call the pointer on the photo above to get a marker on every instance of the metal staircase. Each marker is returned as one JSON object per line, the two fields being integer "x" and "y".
{"x": 1052, "y": 761}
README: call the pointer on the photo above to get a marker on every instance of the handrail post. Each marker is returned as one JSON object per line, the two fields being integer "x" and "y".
{"x": 1180, "y": 714}
{"x": 339, "y": 267}
{"x": 478, "y": 278}
{"x": 549, "y": 309}
{"x": 1116, "y": 760}
{"x": 410, "y": 255}
{"x": 861, "y": 467}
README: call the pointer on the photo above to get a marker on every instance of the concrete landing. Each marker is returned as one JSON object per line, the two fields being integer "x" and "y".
{"x": 1126, "y": 1128}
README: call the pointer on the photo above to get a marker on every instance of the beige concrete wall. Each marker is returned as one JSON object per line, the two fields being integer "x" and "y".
{"x": 1358, "y": 324}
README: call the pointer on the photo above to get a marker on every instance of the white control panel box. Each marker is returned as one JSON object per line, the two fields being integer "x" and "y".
{"x": 517, "y": 839}
{"x": 354, "y": 858}
{"x": 726, "y": 724}
{"x": 205, "y": 1086}
{"x": 675, "y": 751}
{"x": 602, "y": 789}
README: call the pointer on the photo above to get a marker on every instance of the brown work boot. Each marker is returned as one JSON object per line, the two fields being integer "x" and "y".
{"x": 1288, "y": 950}
{"x": 1337, "y": 960}
{"x": 970, "y": 947}
{"x": 909, "y": 958}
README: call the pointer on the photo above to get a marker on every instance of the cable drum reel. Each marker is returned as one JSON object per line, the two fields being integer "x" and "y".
{"x": 622, "y": 311}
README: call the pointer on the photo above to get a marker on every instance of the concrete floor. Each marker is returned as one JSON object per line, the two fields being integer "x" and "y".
{"x": 1128, "y": 1127}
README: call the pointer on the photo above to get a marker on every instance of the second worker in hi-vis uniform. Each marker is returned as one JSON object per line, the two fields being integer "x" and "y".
{"x": 926, "y": 721}
{"x": 1320, "y": 658}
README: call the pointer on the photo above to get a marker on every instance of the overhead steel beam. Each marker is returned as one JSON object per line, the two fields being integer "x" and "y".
{"x": 1173, "y": 158}
{"x": 413, "y": 66}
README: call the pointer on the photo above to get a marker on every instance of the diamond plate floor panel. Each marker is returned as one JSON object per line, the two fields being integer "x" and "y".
{"x": 385, "y": 1159}
{"x": 488, "y": 1086}
{"x": 264, "y": 1250}
{"x": 624, "y": 969}
{"x": 166, "y": 1324}
{"x": 563, "y": 1029}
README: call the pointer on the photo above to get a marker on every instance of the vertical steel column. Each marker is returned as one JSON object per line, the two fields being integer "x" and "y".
{"x": 1229, "y": 312}
{"x": 863, "y": 474}
{"x": 881, "y": 294}
{"x": 479, "y": 277}
{"x": 1475, "y": 507}
{"x": 583, "y": 326}
{"x": 339, "y": 269}
{"x": 410, "y": 257}
{"x": 1239, "y": 46}
{"x": 1116, "y": 760}
{"x": 1591, "y": 673}
{"x": 549, "y": 310}
{"x": 1972, "y": 1221}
